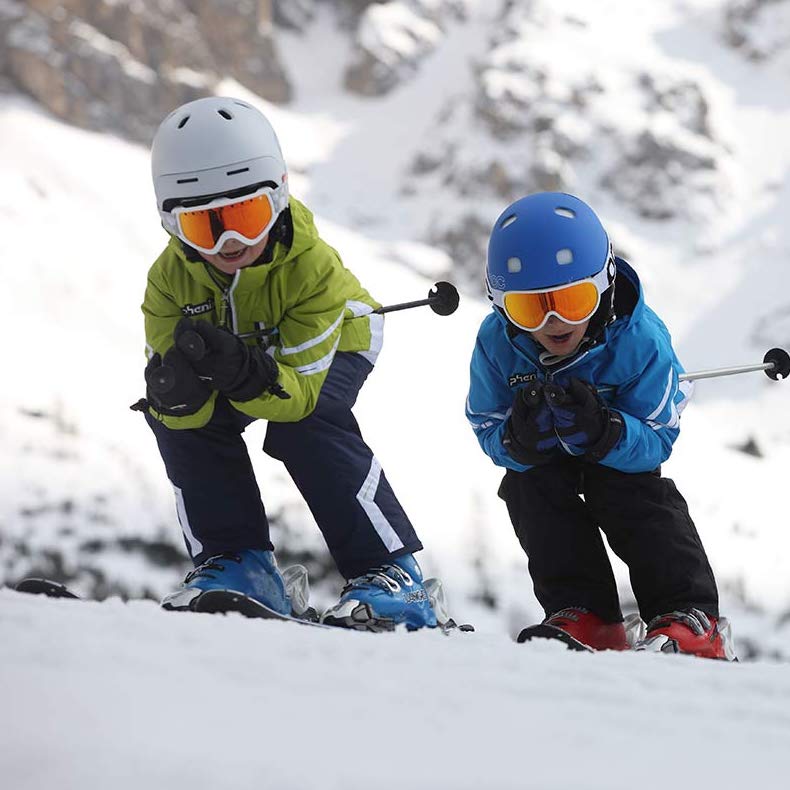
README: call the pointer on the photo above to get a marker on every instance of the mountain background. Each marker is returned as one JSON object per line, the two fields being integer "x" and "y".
{"x": 408, "y": 126}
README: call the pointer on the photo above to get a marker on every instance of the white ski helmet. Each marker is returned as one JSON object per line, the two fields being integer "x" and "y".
{"x": 213, "y": 146}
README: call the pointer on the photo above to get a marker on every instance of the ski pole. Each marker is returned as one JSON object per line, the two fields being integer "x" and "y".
{"x": 442, "y": 299}
{"x": 776, "y": 364}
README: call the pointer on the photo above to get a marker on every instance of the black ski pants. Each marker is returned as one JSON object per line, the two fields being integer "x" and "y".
{"x": 217, "y": 496}
{"x": 645, "y": 520}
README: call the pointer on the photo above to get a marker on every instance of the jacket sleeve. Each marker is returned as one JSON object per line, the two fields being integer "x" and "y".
{"x": 161, "y": 316}
{"x": 488, "y": 407}
{"x": 309, "y": 334}
{"x": 651, "y": 404}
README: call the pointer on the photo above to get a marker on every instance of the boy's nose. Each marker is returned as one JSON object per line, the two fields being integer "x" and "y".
{"x": 555, "y": 323}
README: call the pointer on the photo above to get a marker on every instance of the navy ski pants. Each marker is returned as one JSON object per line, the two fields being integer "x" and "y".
{"x": 645, "y": 520}
{"x": 219, "y": 503}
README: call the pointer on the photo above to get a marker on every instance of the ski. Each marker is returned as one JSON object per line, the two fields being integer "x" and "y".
{"x": 227, "y": 602}
{"x": 46, "y": 587}
{"x": 213, "y": 601}
{"x": 543, "y": 631}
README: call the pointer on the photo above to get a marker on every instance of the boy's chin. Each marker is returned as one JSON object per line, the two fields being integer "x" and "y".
{"x": 564, "y": 349}
{"x": 230, "y": 264}
{"x": 561, "y": 347}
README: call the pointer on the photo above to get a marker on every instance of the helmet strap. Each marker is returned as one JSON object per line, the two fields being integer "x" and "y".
{"x": 603, "y": 316}
{"x": 282, "y": 232}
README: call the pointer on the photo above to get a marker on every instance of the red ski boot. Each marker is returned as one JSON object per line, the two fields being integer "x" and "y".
{"x": 690, "y": 631}
{"x": 579, "y": 629}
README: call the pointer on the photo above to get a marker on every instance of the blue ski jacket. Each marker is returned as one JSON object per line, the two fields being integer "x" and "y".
{"x": 633, "y": 366}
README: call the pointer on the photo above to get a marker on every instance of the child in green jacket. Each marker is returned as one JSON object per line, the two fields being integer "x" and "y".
{"x": 250, "y": 314}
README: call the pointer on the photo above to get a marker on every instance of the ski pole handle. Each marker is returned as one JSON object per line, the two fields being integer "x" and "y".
{"x": 162, "y": 380}
{"x": 443, "y": 299}
{"x": 192, "y": 345}
{"x": 776, "y": 364}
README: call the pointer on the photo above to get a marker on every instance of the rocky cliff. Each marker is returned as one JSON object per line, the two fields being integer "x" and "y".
{"x": 121, "y": 66}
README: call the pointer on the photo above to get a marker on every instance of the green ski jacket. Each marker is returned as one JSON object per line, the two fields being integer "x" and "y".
{"x": 312, "y": 305}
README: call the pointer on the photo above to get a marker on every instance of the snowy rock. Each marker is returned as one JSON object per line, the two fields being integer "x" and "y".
{"x": 393, "y": 38}
{"x": 683, "y": 99}
{"x": 758, "y": 28}
{"x": 662, "y": 179}
{"x": 293, "y": 14}
{"x": 122, "y": 66}
{"x": 536, "y": 121}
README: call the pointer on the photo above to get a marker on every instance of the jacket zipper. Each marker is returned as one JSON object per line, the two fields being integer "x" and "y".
{"x": 227, "y": 311}
{"x": 550, "y": 374}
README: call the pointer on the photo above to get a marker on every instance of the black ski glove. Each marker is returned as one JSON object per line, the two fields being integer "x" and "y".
{"x": 173, "y": 387}
{"x": 529, "y": 434}
{"x": 226, "y": 362}
{"x": 582, "y": 420}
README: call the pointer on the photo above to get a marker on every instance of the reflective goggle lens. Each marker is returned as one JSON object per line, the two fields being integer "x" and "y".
{"x": 249, "y": 217}
{"x": 574, "y": 303}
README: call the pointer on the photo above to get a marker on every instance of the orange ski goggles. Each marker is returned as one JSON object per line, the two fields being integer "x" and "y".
{"x": 573, "y": 303}
{"x": 248, "y": 219}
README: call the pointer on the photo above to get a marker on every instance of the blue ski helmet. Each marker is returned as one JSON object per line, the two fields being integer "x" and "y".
{"x": 548, "y": 240}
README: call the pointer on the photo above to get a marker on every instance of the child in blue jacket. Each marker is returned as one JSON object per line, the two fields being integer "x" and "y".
{"x": 575, "y": 390}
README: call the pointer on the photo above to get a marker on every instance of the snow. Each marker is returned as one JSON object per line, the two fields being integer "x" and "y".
{"x": 124, "y": 696}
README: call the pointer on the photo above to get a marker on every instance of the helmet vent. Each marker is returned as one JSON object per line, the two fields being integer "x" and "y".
{"x": 236, "y": 172}
{"x": 564, "y": 256}
{"x": 508, "y": 221}
{"x": 514, "y": 265}
{"x": 186, "y": 180}
{"x": 225, "y": 114}
{"x": 568, "y": 213}
{"x": 183, "y": 122}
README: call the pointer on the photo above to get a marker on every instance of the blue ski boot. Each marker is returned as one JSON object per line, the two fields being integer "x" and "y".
{"x": 384, "y": 597}
{"x": 251, "y": 572}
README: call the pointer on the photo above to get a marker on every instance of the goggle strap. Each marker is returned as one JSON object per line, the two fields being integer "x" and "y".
{"x": 280, "y": 199}
{"x": 278, "y": 196}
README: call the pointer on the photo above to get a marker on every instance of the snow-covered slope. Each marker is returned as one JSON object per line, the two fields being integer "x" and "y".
{"x": 127, "y": 696}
